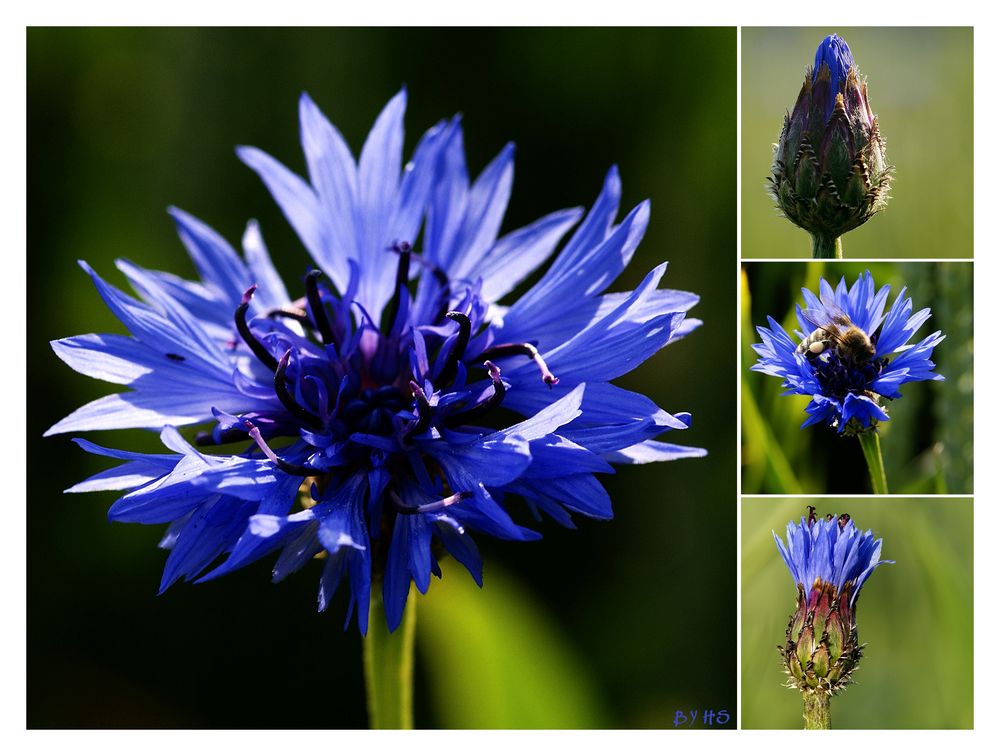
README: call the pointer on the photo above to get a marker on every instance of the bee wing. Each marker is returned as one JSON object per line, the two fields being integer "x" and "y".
{"x": 821, "y": 319}
{"x": 834, "y": 311}
{"x": 817, "y": 317}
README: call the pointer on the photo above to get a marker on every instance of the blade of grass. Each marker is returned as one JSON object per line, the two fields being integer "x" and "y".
{"x": 758, "y": 439}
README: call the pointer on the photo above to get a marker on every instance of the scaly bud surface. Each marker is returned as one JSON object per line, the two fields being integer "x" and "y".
{"x": 829, "y": 559}
{"x": 830, "y": 172}
{"x": 821, "y": 645}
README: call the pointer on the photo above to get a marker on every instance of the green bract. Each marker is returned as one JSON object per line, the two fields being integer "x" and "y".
{"x": 830, "y": 172}
{"x": 821, "y": 647}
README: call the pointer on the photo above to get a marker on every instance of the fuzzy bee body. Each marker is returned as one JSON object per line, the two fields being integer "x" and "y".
{"x": 815, "y": 343}
{"x": 840, "y": 334}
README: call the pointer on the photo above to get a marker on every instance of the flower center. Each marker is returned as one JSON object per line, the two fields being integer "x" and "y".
{"x": 372, "y": 411}
{"x": 840, "y": 374}
{"x": 353, "y": 390}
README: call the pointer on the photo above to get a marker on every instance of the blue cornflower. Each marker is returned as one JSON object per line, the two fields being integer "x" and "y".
{"x": 834, "y": 52}
{"x": 829, "y": 559}
{"x": 367, "y": 413}
{"x": 850, "y": 355}
{"x": 830, "y": 552}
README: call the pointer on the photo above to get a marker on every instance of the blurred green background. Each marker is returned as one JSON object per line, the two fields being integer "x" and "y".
{"x": 926, "y": 446}
{"x": 605, "y": 626}
{"x": 915, "y": 616}
{"x": 920, "y": 87}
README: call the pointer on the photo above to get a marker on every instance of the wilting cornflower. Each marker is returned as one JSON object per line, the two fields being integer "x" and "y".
{"x": 830, "y": 172}
{"x": 830, "y": 559}
{"x": 370, "y": 414}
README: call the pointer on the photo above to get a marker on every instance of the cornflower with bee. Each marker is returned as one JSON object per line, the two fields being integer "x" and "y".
{"x": 851, "y": 357}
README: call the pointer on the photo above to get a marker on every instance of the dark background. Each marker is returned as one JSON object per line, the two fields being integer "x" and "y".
{"x": 641, "y": 610}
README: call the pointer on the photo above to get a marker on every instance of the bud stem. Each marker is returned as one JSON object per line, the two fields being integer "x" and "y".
{"x": 816, "y": 710}
{"x": 388, "y": 662}
{"x": 872, "y": 449}
{"x": 825, "y": 247}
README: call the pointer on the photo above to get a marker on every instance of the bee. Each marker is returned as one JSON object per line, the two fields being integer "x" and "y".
{"x": 835, "y": 330}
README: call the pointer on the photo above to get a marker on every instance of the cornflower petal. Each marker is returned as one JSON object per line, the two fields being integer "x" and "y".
{"x": 366, "y": 408}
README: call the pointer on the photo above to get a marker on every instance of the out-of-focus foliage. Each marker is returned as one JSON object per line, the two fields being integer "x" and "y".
{"x": 510, "y": 667}
{"x": 927, "y": 444}
{"x": 123, "y": 122}
{"x": 920, "y": 87}
{"x": 915, "y": 616}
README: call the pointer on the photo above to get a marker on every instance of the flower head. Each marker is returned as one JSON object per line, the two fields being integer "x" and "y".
{"x": 830, "y": 560}
{"x": 850, "y": 355}
{"x": 830, "y": 551}
{"x": 830, "y": 172}
{"x": 365, "y": 420}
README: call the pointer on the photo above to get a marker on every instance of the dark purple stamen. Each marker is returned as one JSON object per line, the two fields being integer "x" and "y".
{"x": 403, "y": 249}
{"x": 286, "y": 398}
{"x": 457, "y": 348}
{"x": 812, "y": 515}
{"x": 244, "y": 330}
{"x": 175, "y": 357}
{"x": 495, "y": 399}
{"x": 404, "y": 508}
{"x": 439, "y": 275}
{"x": 524, "y": 350}
{"x": 317, "y": 307}
{"x": 423, "y": 412}
{"x": 283, "y": 465}
{"x": 843, "y": 520}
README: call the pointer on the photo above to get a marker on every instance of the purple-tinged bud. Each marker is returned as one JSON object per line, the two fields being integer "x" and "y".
{"x": 830, "y": 560}
{"x": 830, "y": 172}
{"x": 821, "y": 646}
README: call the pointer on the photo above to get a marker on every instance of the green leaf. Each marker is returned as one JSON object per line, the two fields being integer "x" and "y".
{"x": 496, "y": 660}
{"x": 760, "y": 440}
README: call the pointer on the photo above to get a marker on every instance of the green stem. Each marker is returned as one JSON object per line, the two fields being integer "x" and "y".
{"x": 816, "y": 710}
{"x": 872, "y": 449}
{"x": 827, "y": 247}
{"x": 388, "y": 661}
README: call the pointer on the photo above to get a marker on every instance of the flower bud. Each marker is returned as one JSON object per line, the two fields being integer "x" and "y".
{"x": 830, "y": 172}
{"x": 821, "y": 646}
{"x": 833, "y": 558}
